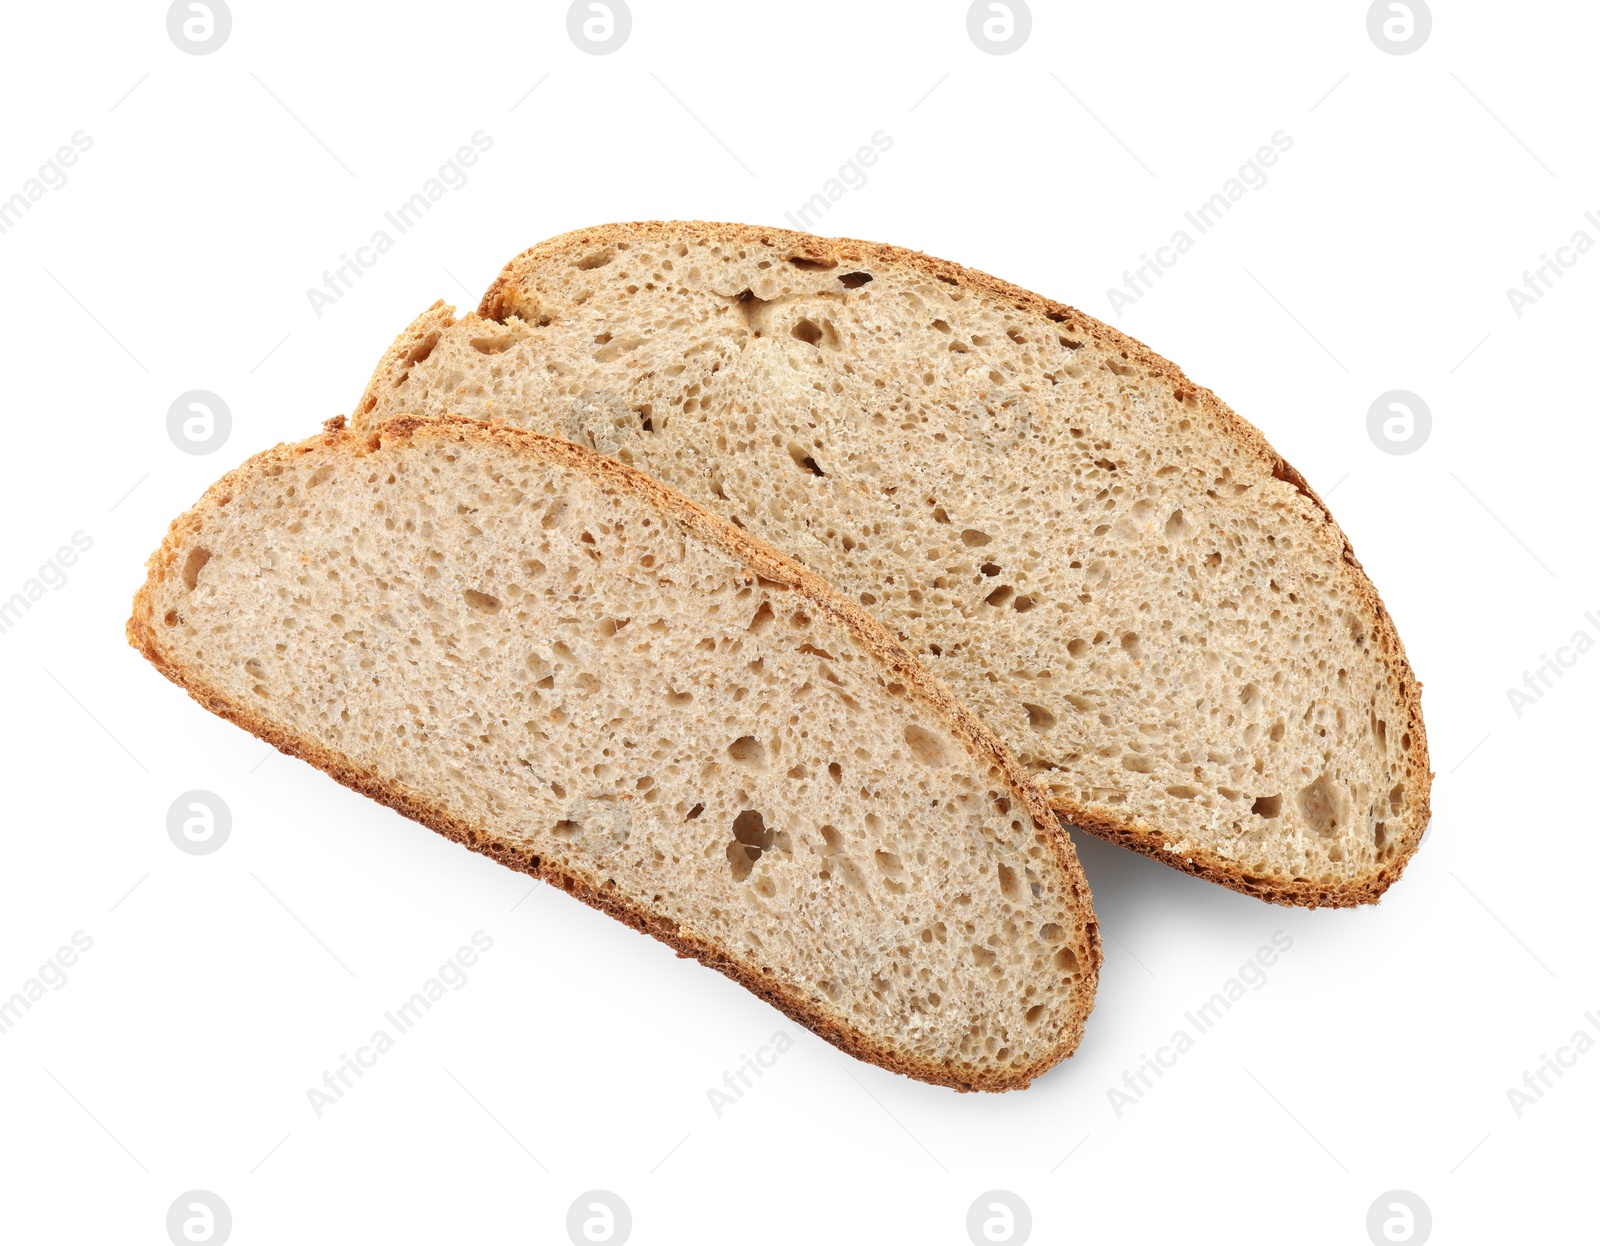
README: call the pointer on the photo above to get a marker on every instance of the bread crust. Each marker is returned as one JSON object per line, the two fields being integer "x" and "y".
{"x": 759, "y": 560}
{"x": 502, "y": 297}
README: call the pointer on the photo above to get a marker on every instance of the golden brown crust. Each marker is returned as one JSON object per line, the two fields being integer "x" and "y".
{"x": 759, "y": 560}
{"x": 504, "y": 297}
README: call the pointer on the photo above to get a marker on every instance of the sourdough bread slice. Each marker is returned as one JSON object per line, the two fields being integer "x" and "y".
{"x": 1120, "y": 575}
{"x": 550, "y": 658}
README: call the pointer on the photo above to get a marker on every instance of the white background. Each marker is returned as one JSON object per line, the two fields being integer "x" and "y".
{"x": 177, "y": 257}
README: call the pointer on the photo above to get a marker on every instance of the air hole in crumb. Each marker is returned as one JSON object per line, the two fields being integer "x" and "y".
{"x": 1267, "y": 806}
{"x": 747, "y": 749}
{"x": 597, "y": 260}
{"x": 751, "y": 837}
{"x": 694, "y": 813}
{"x": 972, "y": 538}
{"x": 1039, "y": 718}
{"x": 191, "y": 566}
{"x": 854, "y": 281}
{"x": 807, "y": 331}
{"x": 481, "y": 601}
{"x": 925, "y": 746}
{"x": 803, "y": 460}
{"x": 1322, "y": 803}
{"x": 810, "y": 265}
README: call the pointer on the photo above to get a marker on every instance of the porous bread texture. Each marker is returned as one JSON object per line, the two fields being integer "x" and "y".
{"x": 1120, "y": 575}
{"x": 551, "y": 658}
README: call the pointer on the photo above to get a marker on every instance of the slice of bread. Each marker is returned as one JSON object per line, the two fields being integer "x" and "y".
{"x": 1120, "y": 575}
{"x": 550, "y": 658}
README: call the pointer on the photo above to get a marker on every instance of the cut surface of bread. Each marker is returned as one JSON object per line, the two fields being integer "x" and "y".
{"x": 1117, "y": 573}
{"x": 549, "y": 657}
